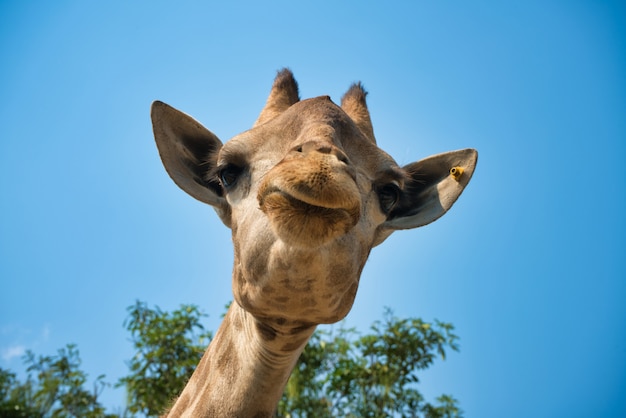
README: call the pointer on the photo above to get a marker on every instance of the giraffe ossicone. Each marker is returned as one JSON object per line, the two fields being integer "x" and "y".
{"x": 307, "y": 193}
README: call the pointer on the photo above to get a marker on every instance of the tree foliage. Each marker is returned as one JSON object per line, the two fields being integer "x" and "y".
{"x": 55, "y": 387}
{"x": 15, "y": 397}
{"x": 168, "y": 347}
{"x": 340, "y": 373}
{"x": 343, "y": 373}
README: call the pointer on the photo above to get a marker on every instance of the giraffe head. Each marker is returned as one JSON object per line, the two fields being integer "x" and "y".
{"x": 307, "y": 193}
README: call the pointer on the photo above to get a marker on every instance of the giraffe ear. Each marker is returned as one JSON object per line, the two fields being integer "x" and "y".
{"x": 189, "y": 151}
{"x": 433, "y": 185}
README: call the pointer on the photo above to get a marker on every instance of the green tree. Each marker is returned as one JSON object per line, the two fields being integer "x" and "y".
{"x": 168, "y": 347}
{"x": 15, "y": 397}
{"x": 342, "y": 373}
{"x": 55, "y": 388}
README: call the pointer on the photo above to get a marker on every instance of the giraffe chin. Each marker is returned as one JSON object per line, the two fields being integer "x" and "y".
{"x": 303, "y": 224}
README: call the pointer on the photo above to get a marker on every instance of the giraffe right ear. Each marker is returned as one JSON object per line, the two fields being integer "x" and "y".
{"x": 432, "y": 187}
{"x": 189, "y": 151}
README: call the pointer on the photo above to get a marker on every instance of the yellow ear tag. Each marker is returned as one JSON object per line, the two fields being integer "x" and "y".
{"x": 456, "y": 172}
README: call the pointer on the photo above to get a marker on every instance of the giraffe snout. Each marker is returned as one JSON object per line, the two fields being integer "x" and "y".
{"x": 317, "y": 150}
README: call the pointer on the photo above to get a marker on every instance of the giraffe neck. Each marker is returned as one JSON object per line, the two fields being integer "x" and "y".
{"x": 245, "y": 369}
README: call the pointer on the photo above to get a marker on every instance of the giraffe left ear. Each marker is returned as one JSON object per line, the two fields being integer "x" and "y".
{"x": 433, "y": 185}
{"x": 189, "y": 151}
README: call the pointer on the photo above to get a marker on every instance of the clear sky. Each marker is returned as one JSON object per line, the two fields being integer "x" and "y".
{"x": 529, "y": 265}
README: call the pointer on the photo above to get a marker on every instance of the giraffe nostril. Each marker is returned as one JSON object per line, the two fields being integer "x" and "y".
{"x": 322, "y": 148}
{"x": 342, "y": 157}
{"x": 314, "y": 146}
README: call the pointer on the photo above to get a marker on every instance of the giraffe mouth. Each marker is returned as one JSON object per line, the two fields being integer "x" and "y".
{"x": 304, "y": 221}
{"x": 310, "y": 201}
{"x": 276, "y": 199}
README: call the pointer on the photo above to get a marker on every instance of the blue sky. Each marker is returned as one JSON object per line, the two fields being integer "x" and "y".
{"x": 528, "y": 265}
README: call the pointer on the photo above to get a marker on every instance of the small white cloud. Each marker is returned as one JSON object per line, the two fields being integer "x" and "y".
{"x": 45, "y": 333}
{"x": 10, "y": 353}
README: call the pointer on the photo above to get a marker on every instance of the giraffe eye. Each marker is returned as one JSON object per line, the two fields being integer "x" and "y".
{"x": 228, "y": 175}
{"x": 388, "y": 196}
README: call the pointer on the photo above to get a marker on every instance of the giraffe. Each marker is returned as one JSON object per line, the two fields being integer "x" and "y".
{"x": 307, "y": 194}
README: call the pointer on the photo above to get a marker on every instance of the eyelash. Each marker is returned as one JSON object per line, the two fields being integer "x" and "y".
{"x": 388, "y": 196}
{"x": 228, "y": 175}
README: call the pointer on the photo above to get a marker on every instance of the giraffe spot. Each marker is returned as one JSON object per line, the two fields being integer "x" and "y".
{"x": 304, "y": 326}
{"x": 237, "y": 323}
{"x": 309, "y": 302}
{"x": 256, "y": 262}
{"x": 281, "y": 299}
{"x": 298, "y": 337}
{"x": 228, "y": 362}
{"x": 244, "y": 299}
{"x": 291, "y": 346}
{"x": 240, "y": 280}
{"x": 338, "y": 275}
{"x": 267, "y": 333}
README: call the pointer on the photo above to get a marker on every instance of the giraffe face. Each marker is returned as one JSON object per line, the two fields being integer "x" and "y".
{"x": 312, "y": 174}
{"x": 307, "y": 201}
{"x": 307, "y": 194}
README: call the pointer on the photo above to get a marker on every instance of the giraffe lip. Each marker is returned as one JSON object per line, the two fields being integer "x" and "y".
{"x": 302, "y": 201}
